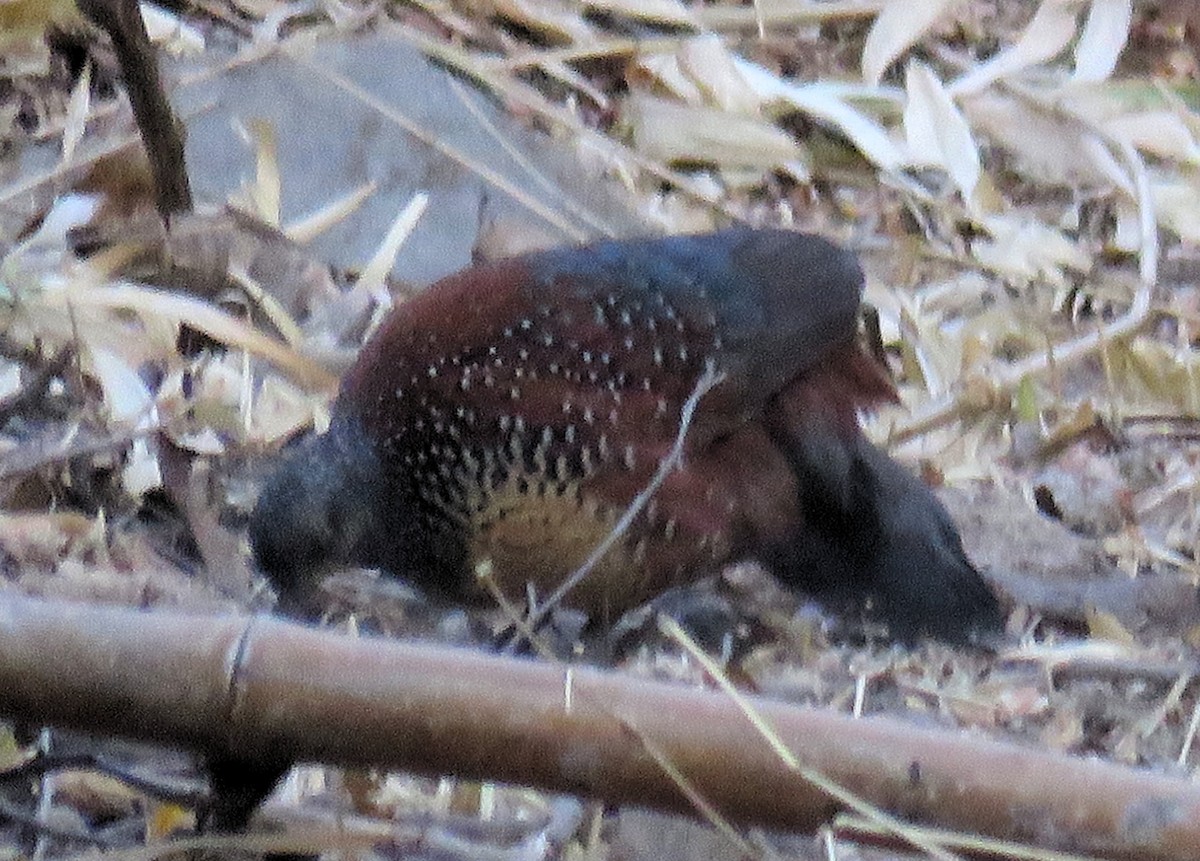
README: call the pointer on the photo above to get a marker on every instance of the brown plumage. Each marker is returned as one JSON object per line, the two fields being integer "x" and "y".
{"x": 512, "y": 412}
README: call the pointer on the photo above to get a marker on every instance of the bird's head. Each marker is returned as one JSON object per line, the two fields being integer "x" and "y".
{"x": 320, "y": 509}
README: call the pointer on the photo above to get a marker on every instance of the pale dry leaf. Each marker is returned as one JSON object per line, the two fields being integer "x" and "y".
{"x": 170, "y": 32}
{"x": 1155, "y": 376}
{"x": 78, "y": 106}
{"x": 1022, "y": 249}
{"x": 280, "y": 411}
{"x": 671, "y": 132}
{"x": 43, "y": 251}
{"x": 1158, "y": 133}
{"x": 127, "y": 397}
{"x": 1175, "y": 199}
{"x": 937, "y": 132}
{"x": 824, "y": 103}
{"x": 668, "y": 72}
{"x": 1105, "y": 32}
{"x": 262, "y": 196}
{"x": 899, "y": 25}
{"x": 1107, "y": 627}
{"x": 307, "y": 228}
{"x": 1127, "y": 233}
{"x": 1044, "y": 37}
{"x": 1048, "y": 148}
{"x": 711, "y": 66}
{"x": 202, "y": 407}
{"x": 130, "y": 404}
{"x": 372, "y": 282}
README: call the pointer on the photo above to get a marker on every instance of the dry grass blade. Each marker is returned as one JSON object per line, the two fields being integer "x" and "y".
{"x": 414, "y": 128}
{"x": 692, "y": 794}
{"x": 860, "y": 805}
{"x": 203, "y": 317}
{"x": 531, "y": 99}
{"x": 709, "y": 379}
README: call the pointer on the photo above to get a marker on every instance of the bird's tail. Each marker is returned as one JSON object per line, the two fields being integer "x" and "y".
{"x": 873, "y": 536}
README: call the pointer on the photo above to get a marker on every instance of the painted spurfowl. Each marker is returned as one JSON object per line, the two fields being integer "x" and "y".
{"x": 511, "y": 413}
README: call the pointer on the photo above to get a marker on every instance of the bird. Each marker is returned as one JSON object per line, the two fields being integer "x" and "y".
{"x": 508, "y": 416}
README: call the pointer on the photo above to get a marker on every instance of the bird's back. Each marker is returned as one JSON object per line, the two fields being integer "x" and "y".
{"x": 527, "y": 402}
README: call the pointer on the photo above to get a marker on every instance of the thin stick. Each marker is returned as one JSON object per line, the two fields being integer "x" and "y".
{"x": 710, "y": 378}
{"x": 844, "y": 796}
